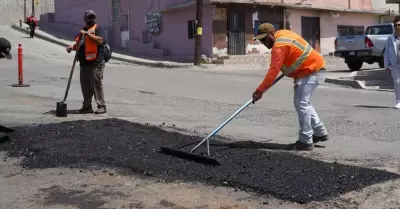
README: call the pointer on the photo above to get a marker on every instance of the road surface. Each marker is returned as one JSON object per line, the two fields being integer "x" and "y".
{"x": 362, "y": 124}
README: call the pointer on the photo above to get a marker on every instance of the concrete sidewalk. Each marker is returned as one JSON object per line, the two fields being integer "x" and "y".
{"x": 379, "y": 80}
{"x": 116, "y": 56}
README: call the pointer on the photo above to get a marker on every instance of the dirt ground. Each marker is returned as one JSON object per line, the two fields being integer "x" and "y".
{"x": 92, "y": 188}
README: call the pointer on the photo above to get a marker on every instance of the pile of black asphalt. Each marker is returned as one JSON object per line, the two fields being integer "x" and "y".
{"x": 119, "y": 143}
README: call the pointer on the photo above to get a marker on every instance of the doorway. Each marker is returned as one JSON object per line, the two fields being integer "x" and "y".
{"x": 310, "y": 31}
{"x": 125, "y": 35}
{"x": 236, "y": 32}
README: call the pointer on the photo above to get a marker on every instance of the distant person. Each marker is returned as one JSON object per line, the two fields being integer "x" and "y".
{"x": 92, "y": 63}
{"x": 32, "y": 22}
{"x": 295, "y": 58}
{"x": 392, "y": 59}
{"x": 5, "y": 48}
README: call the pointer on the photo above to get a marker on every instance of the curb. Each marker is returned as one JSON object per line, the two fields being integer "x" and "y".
{"x": 21, "y": 29}
{"x": 344, "y": 82}
{"x": 355, "y": 84}
{"x": 137, "y": 62}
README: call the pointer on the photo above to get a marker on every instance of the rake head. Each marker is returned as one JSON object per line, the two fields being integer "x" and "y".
{"x": 189, "y": 156}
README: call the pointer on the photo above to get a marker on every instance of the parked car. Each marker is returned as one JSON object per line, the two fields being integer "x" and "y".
{"x": 367, "y": 48}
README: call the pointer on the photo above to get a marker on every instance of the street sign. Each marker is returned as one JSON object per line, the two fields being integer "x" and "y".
{"x": 37, "y": 2}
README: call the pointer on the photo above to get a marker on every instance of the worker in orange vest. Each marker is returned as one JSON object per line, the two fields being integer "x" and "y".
{"x": 90, "y": 54}
{"x": 294, "y": 56}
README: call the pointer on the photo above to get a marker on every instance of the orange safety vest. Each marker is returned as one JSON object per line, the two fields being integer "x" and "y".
{"x": 90, "y": 46}
{"x": 302, "y": 59}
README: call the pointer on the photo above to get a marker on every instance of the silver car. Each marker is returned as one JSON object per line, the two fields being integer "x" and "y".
{"x": 367, "y": 48}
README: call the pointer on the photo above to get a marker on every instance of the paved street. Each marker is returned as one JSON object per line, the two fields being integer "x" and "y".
{"x": 363, "y": 127}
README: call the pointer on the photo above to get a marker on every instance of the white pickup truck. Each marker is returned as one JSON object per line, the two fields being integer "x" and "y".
{"x": 367, "y": 48}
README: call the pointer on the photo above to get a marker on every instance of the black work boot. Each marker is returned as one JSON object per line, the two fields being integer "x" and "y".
{"x": 317, "y": 139}
{"x": 86, "y": 110}
{"x": 303, "y": 146}
{"x": 101, "y": 110}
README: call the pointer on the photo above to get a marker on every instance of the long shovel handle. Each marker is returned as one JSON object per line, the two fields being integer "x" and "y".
{"x": 70, "y": 77}
{"x": 230, "y": 118}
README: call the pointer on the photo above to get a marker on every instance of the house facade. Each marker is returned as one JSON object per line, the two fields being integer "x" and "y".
{"x": 12, "y": 11}
{"x": 318, "y": 21}
{"x": 165, "y": 27}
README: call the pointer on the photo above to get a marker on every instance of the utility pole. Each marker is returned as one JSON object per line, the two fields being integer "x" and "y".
{"x": 199, "y": 32}
{"x": 33, "y": 6}
{"x": 25, "y": 10}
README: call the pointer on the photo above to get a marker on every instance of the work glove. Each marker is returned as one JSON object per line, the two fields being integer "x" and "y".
{"x": 69, "y": 49}
{"x": 257, "y": 96}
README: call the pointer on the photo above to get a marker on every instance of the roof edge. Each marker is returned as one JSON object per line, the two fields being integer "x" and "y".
{"x": 179, "y": 6}
{"x": 300, "y": 6}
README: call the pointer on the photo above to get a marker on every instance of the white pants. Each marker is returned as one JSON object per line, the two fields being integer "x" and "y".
{"x": 310, "y": 124}
{"x": 395, "y": 71}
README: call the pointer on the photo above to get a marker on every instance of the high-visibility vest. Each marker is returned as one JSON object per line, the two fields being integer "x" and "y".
{"x": 90, "y": 46}
{"x": 302, "y": 59}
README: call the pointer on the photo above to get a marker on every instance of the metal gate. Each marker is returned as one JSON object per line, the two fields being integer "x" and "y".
{"x": 236, "y": 33}
{"x": 310, "y": 30}
{"x": 11, "y": 11}
{"x": 116, "y": 11}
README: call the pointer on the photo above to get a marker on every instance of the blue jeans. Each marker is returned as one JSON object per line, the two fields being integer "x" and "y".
{"x": 310, "y": 124}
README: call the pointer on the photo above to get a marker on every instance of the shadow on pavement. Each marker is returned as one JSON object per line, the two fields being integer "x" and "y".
{"x": 53, "y": 112}
{"x": 118, "y": 143}
{"x": 259, "y": 145}
{"x": 4, "y": 139}
{"x": 338, "y": 71}
{"x": 349, "y": 71}
{"x": 373, "y": 106}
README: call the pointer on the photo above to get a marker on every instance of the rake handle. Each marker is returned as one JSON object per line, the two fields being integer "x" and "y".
{"x": 229, "y": 119}
{"x": 72, "y": 71}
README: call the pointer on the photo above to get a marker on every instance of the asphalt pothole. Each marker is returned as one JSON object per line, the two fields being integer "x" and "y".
{"x": 119, "y": 143}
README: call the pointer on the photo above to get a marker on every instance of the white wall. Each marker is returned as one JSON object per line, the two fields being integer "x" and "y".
{"x": 328, "y": 24}
{"x": 382, "y": 6}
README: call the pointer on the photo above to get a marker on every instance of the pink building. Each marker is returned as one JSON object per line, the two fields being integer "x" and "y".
{"x": 162, "y": 28}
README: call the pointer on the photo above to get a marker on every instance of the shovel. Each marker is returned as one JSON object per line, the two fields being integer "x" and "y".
{"x": 61, "y": 107}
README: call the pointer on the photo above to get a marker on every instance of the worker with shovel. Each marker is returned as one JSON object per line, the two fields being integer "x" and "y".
{"x": 92, "y": 63}
{"x": 292, "y": 55}
{"x": 5, "y": 48}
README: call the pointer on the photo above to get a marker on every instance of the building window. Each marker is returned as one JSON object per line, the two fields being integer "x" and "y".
{"x": 348, "y": 30}
{"x": 257, "y": 23}
{"x": 124, "y": 22}
{"x": 191, "y": 29}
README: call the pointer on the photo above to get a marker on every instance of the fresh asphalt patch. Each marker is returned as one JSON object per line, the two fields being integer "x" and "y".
{"x": 119, "y": 143}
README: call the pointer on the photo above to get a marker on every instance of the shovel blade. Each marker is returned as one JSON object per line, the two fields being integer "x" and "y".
{"x": 189, "y": 156}
{"x": 61, "y": 109}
